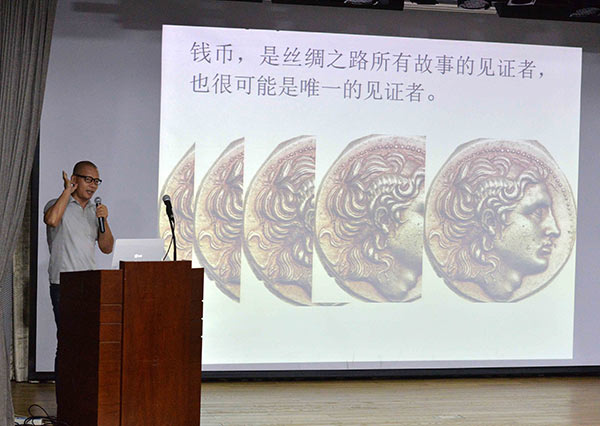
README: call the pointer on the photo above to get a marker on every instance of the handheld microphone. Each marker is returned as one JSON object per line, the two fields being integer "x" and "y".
{"x": 98, "y": 201}
{"x": 167, "y": 200}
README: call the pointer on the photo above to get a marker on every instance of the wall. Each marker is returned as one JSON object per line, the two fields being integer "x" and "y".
{"x": 102, "y": 103}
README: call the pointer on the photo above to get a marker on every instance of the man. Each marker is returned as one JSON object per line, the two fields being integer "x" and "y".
{"x": 72, "y": 227}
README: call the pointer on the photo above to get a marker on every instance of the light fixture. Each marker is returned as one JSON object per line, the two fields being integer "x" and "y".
{"x": 365, "y": 4}
{"x": 474, "y": 4}
{"x": 534, "y": 9}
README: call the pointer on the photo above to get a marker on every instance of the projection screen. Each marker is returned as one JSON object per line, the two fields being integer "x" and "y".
{"x": 372, "y": 202}
{"x": 369, "y": 192}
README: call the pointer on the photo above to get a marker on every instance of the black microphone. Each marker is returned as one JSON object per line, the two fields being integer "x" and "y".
{"x": 167, "y": 200}
{"x": 98, "y": 201}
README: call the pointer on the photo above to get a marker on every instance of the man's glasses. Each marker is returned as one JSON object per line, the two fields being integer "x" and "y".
{"x": 90, "y": 179}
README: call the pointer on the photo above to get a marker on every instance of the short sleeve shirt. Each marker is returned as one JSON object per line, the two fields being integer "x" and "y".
{"x": 72, "y": 243}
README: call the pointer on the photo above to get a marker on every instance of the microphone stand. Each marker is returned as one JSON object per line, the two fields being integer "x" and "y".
{"x": 172, "y": 223}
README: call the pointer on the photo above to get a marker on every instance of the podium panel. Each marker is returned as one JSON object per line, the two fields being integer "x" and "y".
{"x": 130, "y": 345}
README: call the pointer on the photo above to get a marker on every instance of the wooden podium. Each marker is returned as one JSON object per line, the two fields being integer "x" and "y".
{"x": 129, "y": 345}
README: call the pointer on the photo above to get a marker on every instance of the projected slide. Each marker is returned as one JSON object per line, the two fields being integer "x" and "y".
{"x": 363, "y": 202}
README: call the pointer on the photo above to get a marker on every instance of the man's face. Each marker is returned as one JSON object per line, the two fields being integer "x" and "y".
{"x": 405, "y": 244}
{"x": 526, "y": 243}
{"x": 85, "y": 191}
{"x": 406, "y": 241}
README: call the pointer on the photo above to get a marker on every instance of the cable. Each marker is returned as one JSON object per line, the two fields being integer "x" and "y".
{"x": 46, "y": 419}
{"x": 169, "y": 248}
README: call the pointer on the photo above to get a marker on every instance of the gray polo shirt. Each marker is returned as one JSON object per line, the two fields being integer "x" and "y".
{"x": 72, "y": 243}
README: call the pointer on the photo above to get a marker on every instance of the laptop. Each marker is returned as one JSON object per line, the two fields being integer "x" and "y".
{"x": 137, "y": 250}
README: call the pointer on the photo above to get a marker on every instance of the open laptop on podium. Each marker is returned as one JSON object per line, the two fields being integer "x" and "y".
{"x": 137, "y": 250}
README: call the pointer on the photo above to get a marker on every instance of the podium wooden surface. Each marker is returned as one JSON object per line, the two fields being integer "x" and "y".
{"x": 129, "y": 345}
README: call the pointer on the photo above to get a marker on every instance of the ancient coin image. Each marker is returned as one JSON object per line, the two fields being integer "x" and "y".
{"x": 220, "y": 220}
{"x": 279, "y": 220}
{"x": 180, "y": 187}
{"x": 500, "y": 220}
{"x": 369, "y": 219}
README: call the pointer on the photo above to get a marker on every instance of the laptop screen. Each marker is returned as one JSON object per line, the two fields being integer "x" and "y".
{"x": 137, "y": 250}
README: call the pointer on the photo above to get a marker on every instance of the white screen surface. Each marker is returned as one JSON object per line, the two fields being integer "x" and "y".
{"x": 261, "y": 89}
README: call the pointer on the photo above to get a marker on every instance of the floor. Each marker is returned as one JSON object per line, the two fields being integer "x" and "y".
{"x": 473, "y": 401}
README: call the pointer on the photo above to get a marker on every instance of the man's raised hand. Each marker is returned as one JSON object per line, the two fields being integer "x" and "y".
{"x": 67, "y": 183}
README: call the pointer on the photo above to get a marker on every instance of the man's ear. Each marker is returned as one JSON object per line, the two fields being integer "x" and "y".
{"x": 489, "y": 222}
{"x": 73, "y": 179}
{"x": 381, "y": 220}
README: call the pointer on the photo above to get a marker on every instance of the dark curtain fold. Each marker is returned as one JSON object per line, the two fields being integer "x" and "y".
{"x": 25, "y": 35}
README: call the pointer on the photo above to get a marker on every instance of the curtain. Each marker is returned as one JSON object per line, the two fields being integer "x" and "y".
{"x": 25, "y": 34}
{"x": 20, "y": 303}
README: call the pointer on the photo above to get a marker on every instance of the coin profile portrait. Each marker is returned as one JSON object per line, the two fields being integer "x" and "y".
{"x": 219, "y": 220}
{"x": 369, "y": 225}
{"x": 500, "y": 220}
{"x": 279, "y": 220}
{"x": 179, "y": 185}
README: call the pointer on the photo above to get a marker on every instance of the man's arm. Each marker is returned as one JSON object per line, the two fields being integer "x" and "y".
{"x": 105, "y": 239}
{"x": 54, "y": 214}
